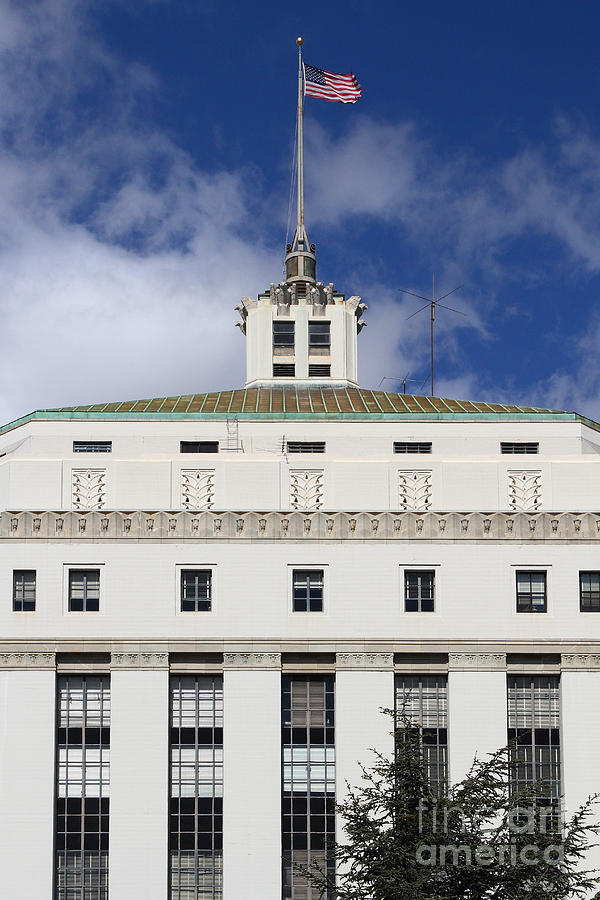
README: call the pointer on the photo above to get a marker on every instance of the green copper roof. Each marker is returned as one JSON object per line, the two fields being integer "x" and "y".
{"x": 287, "y": 399}
{"x": 290, "y": 402}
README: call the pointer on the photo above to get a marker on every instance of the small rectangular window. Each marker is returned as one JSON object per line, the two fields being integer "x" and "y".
{"x": 308, "y": 590}
{"x": 419, "y": 591}
{"x": 23, "y": 590}
{"x": 196, "y": 590}
{"x": 92, "y": 446}
{"x": 589, "y": 591}
{"x": 198, "y": 446}
{"x": 283, "y": 370}
{"x": 412, "y": 446}
{"x": 319, "y": 371}
{"x": 284, "y": 334}
{"x": 319, "y": 338}
{"x": 511, "y": 447}
{"x": 306, "y": 446}
{"x": 84, "y": 590}
{"x": 531, "y": 592}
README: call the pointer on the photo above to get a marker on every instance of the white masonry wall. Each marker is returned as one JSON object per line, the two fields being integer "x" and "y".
{"x": 252, "y": 782}
{"x": 27, "y": 782}
{"x": 580, "y": 742}
{"x": 477, "y": 713}
{"x": 139, "y": 783}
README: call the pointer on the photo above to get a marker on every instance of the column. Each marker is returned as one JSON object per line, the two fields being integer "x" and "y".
{"x": 252, "y": 776}
{"x": 27, "y": 782}
{"x": 477, "y": 717}
{"x": 580, "y": 733}
{"x": 139, "y": 776}
{"x": 364, "y": 685}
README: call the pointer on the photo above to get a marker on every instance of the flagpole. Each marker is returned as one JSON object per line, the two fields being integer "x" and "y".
{"x": 300, "y": 234}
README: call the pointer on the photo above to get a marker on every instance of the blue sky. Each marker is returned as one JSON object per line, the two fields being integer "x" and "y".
{"x": 144, "y": 177}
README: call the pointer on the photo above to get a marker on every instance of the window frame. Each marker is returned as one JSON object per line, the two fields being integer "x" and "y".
{"x": 92, "y": 446}
{"x": 419, "y": 572}
{"x": 588, "y": 609}
{"x": 533, "y": 609}
{"x": 194, "y": 566}
{"x": 190, "y": 444}
{"x": 416, "y": 447}
{"x": 196, "y": 600}
{"x": 312, "y": 344}
{"x": 71, "y": 570}
{"x": 509, "y": 448}
{"x": 22, "y": 601}
{"x": 291, "y": 323}
{"x": 298, "y": 569}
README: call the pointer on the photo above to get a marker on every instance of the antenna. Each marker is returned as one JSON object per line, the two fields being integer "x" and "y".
{"x": 432, "y": 302}
{"x": 403, "y": 381}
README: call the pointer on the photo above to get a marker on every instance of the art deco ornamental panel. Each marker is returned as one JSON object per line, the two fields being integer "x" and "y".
{"x": 89, "y": 488}
{"x": 414, "y": 488}
{"x": 306, "y": 488}
{"x": 524, "y": 490}
{"x": 197, "y": 488}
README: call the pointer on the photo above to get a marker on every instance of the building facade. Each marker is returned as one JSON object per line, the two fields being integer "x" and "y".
{"x": 207, "y": 600}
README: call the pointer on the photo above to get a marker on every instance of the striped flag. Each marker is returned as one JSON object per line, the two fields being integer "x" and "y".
{"x": 331, "y": 86}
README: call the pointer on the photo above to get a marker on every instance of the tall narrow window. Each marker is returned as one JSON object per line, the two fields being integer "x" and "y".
{"x": 423, "y": 699}
{"x": 589, "y": 591}
{"x": 308, "y": 802}
{"x": 84, "y": 590}
{"x": 283, "y": 338}
{"x": 23, "y": 590}
{"x": 534, "y": 732}
{"x": 419, "y": 591}
{"x": 319, "y": 338}
{"x": 196, "y": 804}
{"x": 307, "y": 590}
{"x": 196, "y": 590}
{"x": 82, "y": 802}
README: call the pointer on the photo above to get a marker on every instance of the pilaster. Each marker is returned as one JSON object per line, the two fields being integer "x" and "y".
{"x": 252, "y": 775}
{"x": 139, "y": 776}
{"x": 27, "y": 767}
{"x": 477, "y": 717}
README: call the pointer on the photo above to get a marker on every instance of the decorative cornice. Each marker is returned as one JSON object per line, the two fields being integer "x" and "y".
{"x": 243, "y": 660}
{"x": 150, "y": 660}
{"x": 580, "y": 661}
{"x": 365, "y": 660}
{"x": 300, "y": 525}
{"x": 27, "y": 660}
{"x": 477, "y": 662}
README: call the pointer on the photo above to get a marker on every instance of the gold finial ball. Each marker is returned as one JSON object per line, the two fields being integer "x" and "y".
{"x": 299, "y": 41}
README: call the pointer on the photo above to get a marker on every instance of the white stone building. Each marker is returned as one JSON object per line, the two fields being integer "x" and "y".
{"x": 207, "y": 599}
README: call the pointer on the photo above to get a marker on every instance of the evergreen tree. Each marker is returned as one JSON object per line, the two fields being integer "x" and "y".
{"x": 481, "y": 838}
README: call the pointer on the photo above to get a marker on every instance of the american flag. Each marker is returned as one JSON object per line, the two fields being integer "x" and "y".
{"x": 331, "y": 86}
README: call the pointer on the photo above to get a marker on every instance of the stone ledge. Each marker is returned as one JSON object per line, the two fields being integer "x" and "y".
{"x": 183, "y": 525}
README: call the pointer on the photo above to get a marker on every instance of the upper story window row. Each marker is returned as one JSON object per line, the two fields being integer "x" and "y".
{"x": 284, "y": 370}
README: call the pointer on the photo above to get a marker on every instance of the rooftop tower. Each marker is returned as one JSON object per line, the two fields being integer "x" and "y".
{"x": 301, "y": 331}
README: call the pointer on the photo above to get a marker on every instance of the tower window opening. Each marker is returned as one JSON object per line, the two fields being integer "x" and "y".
{"x": 513, "y": 447}
{"x": 283, "y": 335}
{"x": 283, "y": 370}
{"x": 198, "y": 446}
{"x": 319, "y": 338}
{"x": 319, "y": 371}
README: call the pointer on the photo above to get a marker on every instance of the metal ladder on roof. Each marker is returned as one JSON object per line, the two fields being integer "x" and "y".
{"x": 233, "y": 442}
